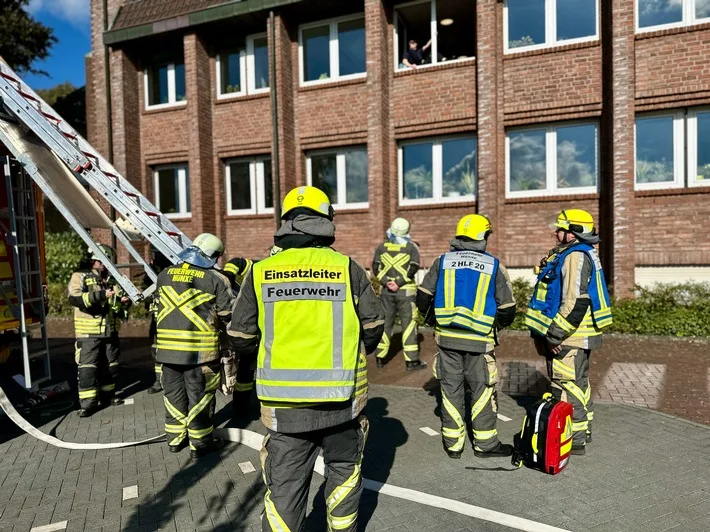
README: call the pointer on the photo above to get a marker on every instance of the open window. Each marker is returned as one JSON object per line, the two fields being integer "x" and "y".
{"x": 430, "y": 32}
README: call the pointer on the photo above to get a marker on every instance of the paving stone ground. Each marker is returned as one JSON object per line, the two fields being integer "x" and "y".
{"x": 645, "y": 471}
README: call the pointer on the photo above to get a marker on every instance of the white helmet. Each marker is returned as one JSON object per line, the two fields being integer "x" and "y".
{"x": 399, "y": 227}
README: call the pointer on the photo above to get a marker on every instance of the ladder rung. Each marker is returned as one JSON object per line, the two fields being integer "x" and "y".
{"x": 24, "y": 217}
{"x": 33, "y": 299}
{"x": 26, "y": 245}
{"x": 37, "y": 354}
{"x": 33, "y": 272}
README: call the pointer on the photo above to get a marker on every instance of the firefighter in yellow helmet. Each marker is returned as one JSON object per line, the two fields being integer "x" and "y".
{"x": 306, "y": 312}
{"x": 569, "y": 308}
{"x": 395, "y": 263}
{"x": 467, "y": 295}
{"x": 195, "y": 302}
{"x": 99, "y": 308}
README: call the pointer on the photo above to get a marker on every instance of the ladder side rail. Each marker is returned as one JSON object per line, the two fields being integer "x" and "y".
{"x": 125, "y": 283}
{"x": 82, "y": 145}
{"x": 19, "y": 289}
{"x": 134, "y": 252}
{"x": 149, "y": 226}
{"x": 38, "y": 276}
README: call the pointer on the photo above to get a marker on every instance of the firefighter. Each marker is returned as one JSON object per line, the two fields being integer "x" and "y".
{"x": 236, "y": 270}
{"x": 468, "y": 296}
{"x": 99, "y": 310}
{"x": 194, "y": 303}
{"x": 569, "y": 308}
{"x": 159, "y": 263}
{"x": 395, "y": 263}
{"x": 311, "y": 314}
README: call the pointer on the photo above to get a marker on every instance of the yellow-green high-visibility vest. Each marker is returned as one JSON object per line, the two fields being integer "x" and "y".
{"x": 310, "y": 331}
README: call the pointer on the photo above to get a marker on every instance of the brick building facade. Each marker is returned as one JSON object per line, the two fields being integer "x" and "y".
{"x": 559, "y": 120}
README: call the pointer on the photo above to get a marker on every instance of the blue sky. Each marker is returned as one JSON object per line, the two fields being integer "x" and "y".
{"x": 70, "y": 20}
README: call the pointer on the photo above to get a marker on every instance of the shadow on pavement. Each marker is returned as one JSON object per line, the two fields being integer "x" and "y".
{"x": 386, "y": 434}
{"x": 224, "y": 512}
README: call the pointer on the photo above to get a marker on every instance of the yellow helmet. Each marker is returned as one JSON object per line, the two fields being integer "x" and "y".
{"x": 310, "y": 198}
{"x": 575, "y": 221}
{"x": 474, "y": 226}
{"x": 400, "y": 227}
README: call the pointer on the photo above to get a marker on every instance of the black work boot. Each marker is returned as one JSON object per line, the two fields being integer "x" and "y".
{"x": 87, "y": 412}
{"x": 415, "y": 365}
{"x": 578, "y": 449}
{"x": 156, "y": 388}
{"x": 456, "y": 455}
{"x": 499, "y": 451}
{"x": 201, "y": 452}
{"x": 589, "y": 437}
{"x": 179, "y": 447}
{"x": 116, "y": 401}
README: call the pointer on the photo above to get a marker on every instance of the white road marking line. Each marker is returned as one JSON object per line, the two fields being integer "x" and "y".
{"x": 129, "y": 401}
{"x": 504, "y": 418}
{"x": 246, "y": 467}
{"x": 50, "y": 528}
{"x": 130, "y": 492}
{"x": 254, "y": 440}
{"x": 428, "y": 431}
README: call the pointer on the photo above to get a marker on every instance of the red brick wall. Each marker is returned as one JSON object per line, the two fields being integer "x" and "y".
{"x": 628, "y": 73}
{"x": 673, "y": 66}
{"x": 670, "y": 229}
{"x": 524, "y": 228}
{"x": 556, "y": 85}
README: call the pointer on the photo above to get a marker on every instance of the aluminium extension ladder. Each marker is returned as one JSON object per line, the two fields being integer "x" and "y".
{"x": 20, "y": 105}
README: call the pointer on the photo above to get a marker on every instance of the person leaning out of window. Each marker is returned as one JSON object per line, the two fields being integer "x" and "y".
{"x": 414, "y": 55}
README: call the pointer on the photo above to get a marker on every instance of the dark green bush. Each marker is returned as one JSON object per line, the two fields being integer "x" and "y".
{"x": 64, "y": 252}
{"x": 664, "y": 309}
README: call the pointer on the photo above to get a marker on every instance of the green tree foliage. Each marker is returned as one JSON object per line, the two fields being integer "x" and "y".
{"x": 64, "y": 253}
{"x": 23, "y": 40}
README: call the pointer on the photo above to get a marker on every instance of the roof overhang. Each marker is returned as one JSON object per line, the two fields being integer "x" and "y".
{"x": 203, "y": 16}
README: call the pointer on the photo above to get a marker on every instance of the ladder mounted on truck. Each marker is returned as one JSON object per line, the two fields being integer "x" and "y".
{"x": 62, "y": 163}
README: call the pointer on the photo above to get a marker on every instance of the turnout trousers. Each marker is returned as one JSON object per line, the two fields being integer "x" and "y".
{"x": 287, "y": 462}
{"x": 97, "y": 361}
{"x": 569, "y": 373}
{"x": 244, "y": 386}
{"x": 153, "y": 335}
{"x": 189, "y": 402}
{"x": 403, "y": 304}
{"x": 455, "y": 370}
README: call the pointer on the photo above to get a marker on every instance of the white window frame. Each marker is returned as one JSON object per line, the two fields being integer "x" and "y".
{"x": 172, "y": 96}
{"x": 257, "y": 175}
{"x": 692, "y": 131}
{"x": 688, "y": 18}
{"x": 550, "y": 30}
{"x": 242, "y": 75}
{"x": 334, "y": 49}
{"x": 433, "y": 33}
{"x": 437, "y": 175}
{"x": 551, "y": 186}
{"x": 340, "y": 166}
{"x": 183, "y": 184}
{"x": 678, "y": 152}
{"x": 251, "y": 78}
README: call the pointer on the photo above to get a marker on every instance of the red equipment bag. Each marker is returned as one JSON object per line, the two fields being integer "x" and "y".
{"x": 545, "y": 440}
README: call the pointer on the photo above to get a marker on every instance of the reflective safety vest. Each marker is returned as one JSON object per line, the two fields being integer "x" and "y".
{"x": 93, "y": 319}
{"x": 547, "y": 297}
{"x": 465, "y": 295}
{"x": 310, "y": 331}
{"x": 395, "y": 262}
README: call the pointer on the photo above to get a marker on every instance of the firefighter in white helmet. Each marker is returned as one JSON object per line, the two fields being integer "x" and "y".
{"x": 195, "y": 302}
{"x": 99, "y": 308}
{"x": 395, "y": 264}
